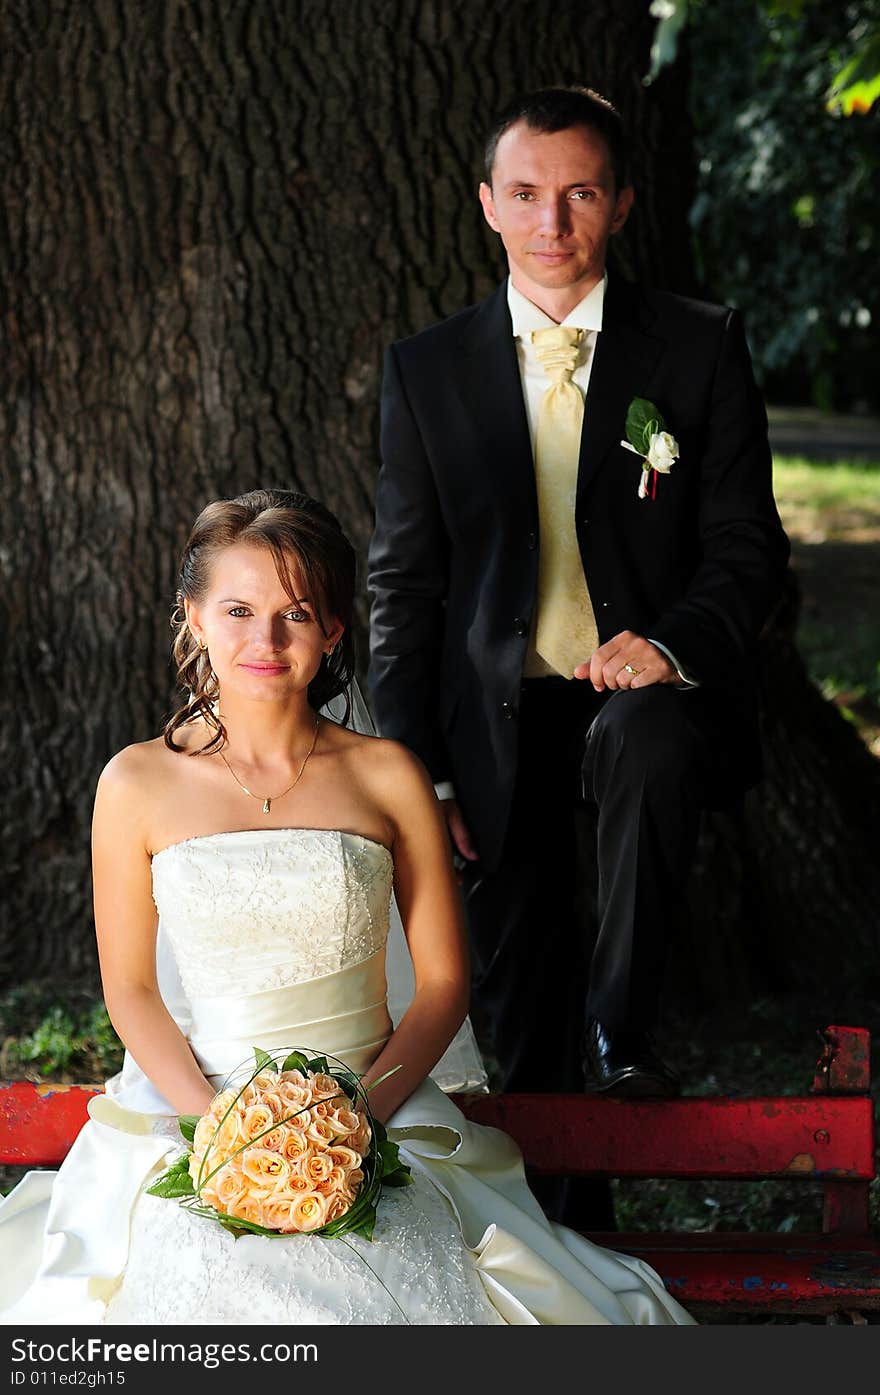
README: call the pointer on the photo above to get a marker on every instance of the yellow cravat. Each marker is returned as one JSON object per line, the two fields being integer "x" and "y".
{"x": 565, "y": 632}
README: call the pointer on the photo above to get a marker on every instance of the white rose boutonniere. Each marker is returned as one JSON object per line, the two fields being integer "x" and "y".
{"x": 648, "y": 438}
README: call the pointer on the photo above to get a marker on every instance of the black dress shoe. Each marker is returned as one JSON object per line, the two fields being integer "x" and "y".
{"x": 624, "y": 1062}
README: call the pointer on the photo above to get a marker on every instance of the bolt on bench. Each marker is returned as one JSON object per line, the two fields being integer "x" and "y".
{"x": 826, "y": 1136}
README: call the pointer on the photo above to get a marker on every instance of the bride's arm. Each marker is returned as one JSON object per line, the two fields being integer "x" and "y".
{"x": 125, "y": 920}
{"x": 430, "y": 908}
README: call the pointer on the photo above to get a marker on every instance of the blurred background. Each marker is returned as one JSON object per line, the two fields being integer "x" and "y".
{"x": 215, "y": 217}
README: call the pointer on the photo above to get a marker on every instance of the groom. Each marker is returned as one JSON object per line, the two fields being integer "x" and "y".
{"x": 546, "y": 629}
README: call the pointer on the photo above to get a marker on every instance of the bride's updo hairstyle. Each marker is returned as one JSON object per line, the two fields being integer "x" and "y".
{"x": 305, "y": 539}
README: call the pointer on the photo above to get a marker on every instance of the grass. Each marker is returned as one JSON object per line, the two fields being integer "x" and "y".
{"x": 831, "y": 512}
{"x": 59, "y": 1036}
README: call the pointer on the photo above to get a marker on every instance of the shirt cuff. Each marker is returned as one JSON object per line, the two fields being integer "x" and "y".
{"x": 686, "y": 682}
{"x": 444, "y": 789}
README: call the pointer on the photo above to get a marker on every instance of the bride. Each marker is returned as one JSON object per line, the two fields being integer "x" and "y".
{"x": 269, "y": 838}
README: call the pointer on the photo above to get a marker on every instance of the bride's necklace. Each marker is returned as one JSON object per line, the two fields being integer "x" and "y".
{"x": 267, "y": 798}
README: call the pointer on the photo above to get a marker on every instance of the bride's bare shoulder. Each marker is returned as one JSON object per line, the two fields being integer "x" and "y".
{"x": 147, "y": 763}
{"x": 385, "y": 768}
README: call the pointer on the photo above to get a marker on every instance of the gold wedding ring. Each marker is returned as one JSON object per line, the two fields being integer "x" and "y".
{"x": 628, "y": 668}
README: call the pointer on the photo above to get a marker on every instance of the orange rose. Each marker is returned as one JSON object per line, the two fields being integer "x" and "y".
{"x": 360, "y": 1140}
{"x": 336, "y": 1207}
{"x": 274, "y": 1139}
{"x": 320, "y": 1132}
{"x": 342, "y": 1156}
{"x": 294, "y": 1099}
{"x": 228, "y": 1185}
{"x": 220, "y": 1103}
{"x": 266, "y": 1080}
{"x": 308, "y": 1213}
{"x": 335, "y": 1181}
{"x": 272, "y": 1100}
{"x": 278, "y": 1212}
{"x": 264, "y": 1168}
{"x": 227, "y": 1138}
{"x": 297, "y": 1183}
{"x": 324, "y": 1087}
{"x": 316, "y": 1168}
{"x": 345, "y": 1121}
{"x": 257, "y": 1117}
{"x": 204, "y": 1133}
{"x": 295, "y": 1143}
{"x": 247, "y": 1209}
{"x": 292, "y": 1077}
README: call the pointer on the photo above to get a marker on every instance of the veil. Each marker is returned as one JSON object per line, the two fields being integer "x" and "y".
{"x": 460, "y": 1068}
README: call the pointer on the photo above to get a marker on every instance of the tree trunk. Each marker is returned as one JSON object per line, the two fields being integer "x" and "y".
{"x": 216, "y": 217}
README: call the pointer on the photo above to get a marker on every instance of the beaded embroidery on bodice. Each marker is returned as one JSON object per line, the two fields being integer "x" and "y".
{"x": 269, "y": 908}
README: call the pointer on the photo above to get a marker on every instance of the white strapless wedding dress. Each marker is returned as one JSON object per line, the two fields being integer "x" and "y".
{"x": 279, "y": 937}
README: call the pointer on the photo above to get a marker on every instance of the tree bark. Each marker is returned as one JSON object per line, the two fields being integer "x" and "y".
{"x": 217, "y": 216}
{"x": 215, "y": 219}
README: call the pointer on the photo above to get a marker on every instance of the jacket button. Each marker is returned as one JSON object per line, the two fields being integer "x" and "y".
{"x": 520, "y": 627}
{"x": 508, "y": 710}
{"x": 532, "y": 541}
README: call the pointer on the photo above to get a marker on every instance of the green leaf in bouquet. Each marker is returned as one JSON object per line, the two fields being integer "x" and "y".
{"x": 174, "y": 1182}
{"x": 296, "y": 1061}
{"x": 390, "y": 1156}
{"x": 642, "y": 422}
{"x": 400, "y": 1177}
{"x": 319, "y": 1065}
{"x": 187, "y": 1125}
{"x": 366, "y": 1226}
{"x": 263, "y": 1059}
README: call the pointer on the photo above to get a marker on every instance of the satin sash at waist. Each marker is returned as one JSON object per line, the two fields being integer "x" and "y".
{"x": 343, "y": 1014}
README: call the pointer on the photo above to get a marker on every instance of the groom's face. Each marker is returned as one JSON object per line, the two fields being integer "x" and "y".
{"x": 554, "y": 203}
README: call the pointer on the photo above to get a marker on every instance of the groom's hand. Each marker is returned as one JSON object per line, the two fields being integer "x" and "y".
{"x": 607, "y": 666}
{"x": 459, "y": 832}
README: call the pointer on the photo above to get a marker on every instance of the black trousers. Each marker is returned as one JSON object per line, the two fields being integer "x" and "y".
{"x": 621, "y": 777}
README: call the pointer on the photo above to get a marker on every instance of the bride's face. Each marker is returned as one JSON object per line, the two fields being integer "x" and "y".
{"x": 262, "y": 644}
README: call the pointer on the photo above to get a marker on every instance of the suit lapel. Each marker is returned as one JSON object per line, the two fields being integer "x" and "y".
{"x": 625, "y": 357}
{"x": 490, "y": 385}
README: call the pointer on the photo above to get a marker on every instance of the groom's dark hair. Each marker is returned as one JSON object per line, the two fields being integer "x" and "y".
{"x": 303, "y": 536}
{"x": 554, "y": 109}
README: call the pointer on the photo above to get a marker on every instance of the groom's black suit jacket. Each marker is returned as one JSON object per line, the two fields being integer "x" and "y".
{"x": 453, "y": 561}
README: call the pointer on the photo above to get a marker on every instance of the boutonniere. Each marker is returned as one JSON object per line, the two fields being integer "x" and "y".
{"x": 649, "y": 439}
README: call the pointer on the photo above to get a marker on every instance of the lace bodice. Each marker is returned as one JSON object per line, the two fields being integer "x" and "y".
{"x": 269, "y": 908}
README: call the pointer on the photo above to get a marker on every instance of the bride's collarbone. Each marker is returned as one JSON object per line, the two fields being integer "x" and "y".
{"x": 196, "y": 796}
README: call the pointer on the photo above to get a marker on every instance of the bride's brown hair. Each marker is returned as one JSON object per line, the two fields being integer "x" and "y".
{"x": 302, "y": 535}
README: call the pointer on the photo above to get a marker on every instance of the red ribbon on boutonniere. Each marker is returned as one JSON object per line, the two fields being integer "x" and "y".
{"x": 649, "y": 439}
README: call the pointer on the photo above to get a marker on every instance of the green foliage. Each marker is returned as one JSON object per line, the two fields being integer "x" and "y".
{"x": 784, "y": 219}
{"x": 831, "y": 511}
{"x": 857, "y": 85}
{"x": 69, "y": 1038}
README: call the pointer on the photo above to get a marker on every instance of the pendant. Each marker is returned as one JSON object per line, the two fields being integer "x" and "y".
{"x": 267, "y": 805}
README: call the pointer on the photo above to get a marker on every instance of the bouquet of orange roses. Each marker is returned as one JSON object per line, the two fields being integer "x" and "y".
{"x": 292, "y": 1150}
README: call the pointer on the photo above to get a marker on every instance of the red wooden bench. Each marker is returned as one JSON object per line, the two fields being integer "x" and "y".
{"x": 826, "y": 1136}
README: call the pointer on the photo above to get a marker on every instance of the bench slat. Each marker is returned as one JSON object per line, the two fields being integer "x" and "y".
{"x": 38, "y": 1123}
{"x": 823, "y": 1136}
{"x": 782, "y": 1273}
